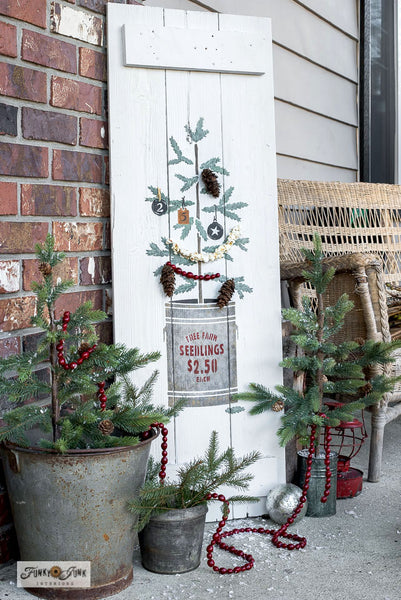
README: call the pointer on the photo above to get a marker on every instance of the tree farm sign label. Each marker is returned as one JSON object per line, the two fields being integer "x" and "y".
{"x": 194, "y": 222}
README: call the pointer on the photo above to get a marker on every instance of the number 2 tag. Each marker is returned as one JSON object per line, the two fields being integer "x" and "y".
{"x": 183, "y": 216}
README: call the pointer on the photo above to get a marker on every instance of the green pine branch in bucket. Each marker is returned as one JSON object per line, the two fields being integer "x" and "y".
{"x": 195, "y": 480}
{"x": 77, "y": 366}
{"x": 354, "y": 370}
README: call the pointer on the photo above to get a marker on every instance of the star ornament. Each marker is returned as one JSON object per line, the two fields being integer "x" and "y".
{"x": 215, "y": 231}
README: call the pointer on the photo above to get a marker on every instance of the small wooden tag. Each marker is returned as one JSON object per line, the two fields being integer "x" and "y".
{"x": 183, "y": 216}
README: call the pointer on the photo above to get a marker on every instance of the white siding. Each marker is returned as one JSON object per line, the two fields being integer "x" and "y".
{"x": 315, "y": 57}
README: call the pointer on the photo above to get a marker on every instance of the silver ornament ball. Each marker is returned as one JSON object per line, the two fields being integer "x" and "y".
{"x": 282, "y": 500}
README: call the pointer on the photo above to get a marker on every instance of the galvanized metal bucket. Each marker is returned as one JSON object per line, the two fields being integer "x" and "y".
{"x": 316, "y": 508}
{"x": 172, "y": 542}
{"x": 73, "y": 507}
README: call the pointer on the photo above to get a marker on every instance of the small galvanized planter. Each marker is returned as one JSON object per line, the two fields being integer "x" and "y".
{"x": 316, "y": 508}
{"x": 73, "y": 507}
{"x": 172, "y": 542}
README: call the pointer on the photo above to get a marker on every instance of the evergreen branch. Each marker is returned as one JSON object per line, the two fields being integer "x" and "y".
{"x": 241, "y": 243}
{"x": 185, "y": 287}
{"x": 188, "y": 181}
{"x": 180, "y": 157}
{"x": 185, "y": 229}
{"x": 199, "y": 133}
{"x": 213, "y": 165}
{"x": 201, "y": 229}
{"x": 154, "y": 250}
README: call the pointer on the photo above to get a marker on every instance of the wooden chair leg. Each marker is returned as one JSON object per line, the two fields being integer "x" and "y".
{"x": 376, "y": 443}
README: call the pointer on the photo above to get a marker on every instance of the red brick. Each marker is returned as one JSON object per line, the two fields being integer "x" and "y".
{"x": 23, "y": 161}
{"x": 72, "y": 301}
{"x": 9, "y": 346}
{"x": 92, "y": 64}
{"x": 106, "y": 171}
{"x": 93, "y": 133}
{"x": 19, "y": 82}
{"x": 68, "y": 269}
{"x": 8, "y": 198}
{"x": 95, "y": 270}
{"x": 105, "y": 332}
{"x": 9, "y": 276}
{"x": 76, "y": 95}
{"x": 94, "y": 202}
{"x": 107, "y": 236}
{"x": 30, "y": 11}
{"x": 18, "y": 237}
{"x": 49, "y": 126}
{"x": 98, "y": 6}
{"x": 48, "y": 200}
{"x": 76, "y": 237}
{"x": 77, "y": 166}
{"x": 16, "y": 313}
{"x": 48, "y": 51}
{"x": 8, "y": 39}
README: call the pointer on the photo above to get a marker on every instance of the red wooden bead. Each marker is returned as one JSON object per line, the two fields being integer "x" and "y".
{"x": 210, "y": 562}
{"x": 164, "y": 453}
{"x": 85, "y": 355}
{"x": 66, "y": 366}
{"x": 60, "y": 346}
{"x": 61, "y": 362}
{"x": 196, "y": 277}
{"x": 184, "y": 274}
{"x": 222, "y": 570}
{"x": 164, "y": 460}
{"x": 162, "y": 475}
{"x": 201, "y": 277}
{"x": 179, "y": 270}
{"x": 164, "y": 431}
{"x": 102, "y": 397}
{"x": 164, "y": 438}
{"x": 168, "y": 263}
{"x": 73, "y": 365}
{"x": 80, "y": 361}
{"x": 216, "y": 568}
{"x": 221, "y": 498}
{"x": 303, "y": 498}
{"x": 164, "y": 446}
{"x": 230, "y": 571}
{"x": 190, "y": 275}
{"x": 207, "y": 277}
{"x": 210, "y": 548}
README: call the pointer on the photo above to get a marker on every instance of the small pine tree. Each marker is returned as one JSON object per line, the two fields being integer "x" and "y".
{"x": 195, "y": 481}
{"x": 347, "y": 369}
{"x": 75, "y": 418}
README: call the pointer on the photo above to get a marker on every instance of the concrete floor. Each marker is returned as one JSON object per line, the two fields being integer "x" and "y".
{"x": 354, "y": 555}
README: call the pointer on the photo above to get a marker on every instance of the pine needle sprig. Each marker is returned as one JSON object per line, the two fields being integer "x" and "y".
{"x": 193, "y": 482}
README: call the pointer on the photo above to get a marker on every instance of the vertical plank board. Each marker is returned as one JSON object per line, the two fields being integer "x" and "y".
{"x": 249, "y": 149}
{"x": 238, "y": 113}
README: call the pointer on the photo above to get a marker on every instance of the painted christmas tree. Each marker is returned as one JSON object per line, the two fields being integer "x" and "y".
{"x": 205, "y": 179}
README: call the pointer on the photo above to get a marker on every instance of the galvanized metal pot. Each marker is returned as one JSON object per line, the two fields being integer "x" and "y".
{"x": 172, "y": 542}
{"x": 73, "y": 507}
{"x": 317, "y": 483}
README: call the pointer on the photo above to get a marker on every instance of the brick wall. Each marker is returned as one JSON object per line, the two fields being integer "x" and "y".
{"x": 53, "y": 165}
{"x": 53, "y": 154}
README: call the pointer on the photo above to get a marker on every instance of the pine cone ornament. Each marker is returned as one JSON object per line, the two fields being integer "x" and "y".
{"x": 106, "y": 427}
{"x": 84, "y": 347}
{"x": 45, "y": 269}
{"x": 167, "y": 279}
{"x": 366, "y": 389}
{"x": 226, "y": 292}
{"x": 278, "y": 406}
{"x": 211, "y": 182}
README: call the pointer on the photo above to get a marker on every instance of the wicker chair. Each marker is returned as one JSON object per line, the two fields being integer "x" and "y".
{"x": 360, "y": 228}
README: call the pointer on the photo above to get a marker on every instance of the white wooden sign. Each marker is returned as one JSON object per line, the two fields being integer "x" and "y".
{"x": 176, "y": 110}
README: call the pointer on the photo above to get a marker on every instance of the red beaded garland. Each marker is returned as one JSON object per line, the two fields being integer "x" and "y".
{"x": 190, "y": 275}
{"x": 60, "y": 347}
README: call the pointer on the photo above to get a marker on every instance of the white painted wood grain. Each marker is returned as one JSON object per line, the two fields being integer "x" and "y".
{"x": 194, "y": 50}
{"x": 316, "y": 138}
{"x": 289, "y": 167}
{"x": 238, "y": 111}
